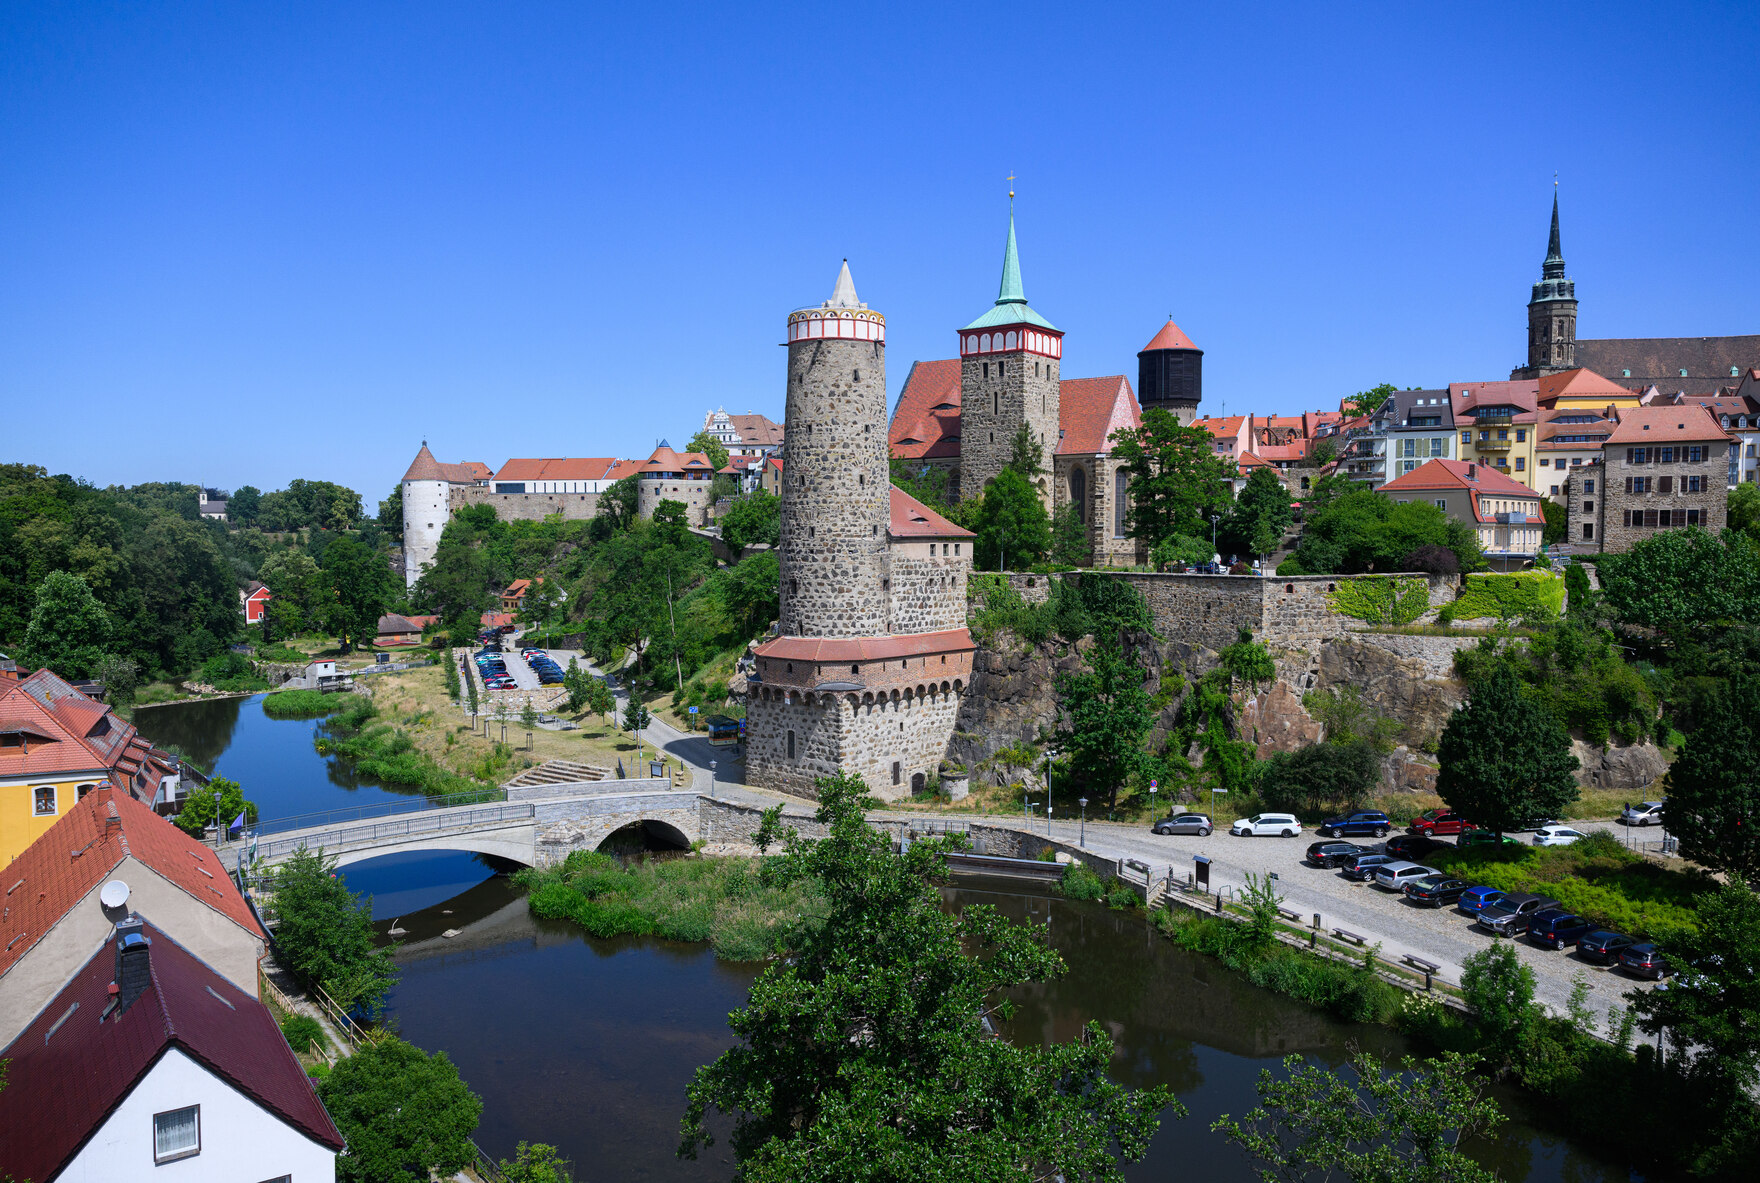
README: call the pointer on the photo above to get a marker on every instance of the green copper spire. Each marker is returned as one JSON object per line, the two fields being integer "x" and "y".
{"x": 1553, "y": 268}
{"x": 1011, "y": 291}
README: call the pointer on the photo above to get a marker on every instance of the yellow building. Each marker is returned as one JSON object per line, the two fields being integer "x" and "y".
{"x": 1498, "y": 423}
{"x": 57, "y": 745}
{"x": 1584, "y": 390}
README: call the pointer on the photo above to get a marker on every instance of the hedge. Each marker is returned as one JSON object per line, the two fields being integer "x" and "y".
{"x": 1509, "y": 597}
{"x": 1616, "y": 889}
{"x": 1378, "y": 599}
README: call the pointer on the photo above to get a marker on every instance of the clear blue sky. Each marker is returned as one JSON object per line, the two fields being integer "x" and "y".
{"x": 241, "y": 243}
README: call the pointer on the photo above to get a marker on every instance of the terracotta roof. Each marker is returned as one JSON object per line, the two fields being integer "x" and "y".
{"x": 1226, "y": 428}
{"x": 1288, "y": 453}
{"x": 925, "y": 423}
{"x": 665, "y": 459}
{"x": 834, "y": 649}
{"x": 756, "y": 430}
{"x": 496, "y": 619}
{"x": 1170, "y": 337}
{"x": 393, "y": 623}
{"x": 73, "y": 1066}
{"x": 1090, "y": 410}
{"x": 85, "y": 735}
{"x": 423, "y": 621}
{"x": 1485, "y": 481}
{"x": 623, "y": 468}
{"x": 1665, "y": 425}
{"x": 1249, "y": 461}
{"x": 518, "y": 587}
{"x": 590, "y": 468}
{"x": 912, "y": 519}
{"x": 1581, "y": 383}
{"x": 1466, "y": 396}
{"x": 425, "y": 468}
{"x": 49, "y": 878}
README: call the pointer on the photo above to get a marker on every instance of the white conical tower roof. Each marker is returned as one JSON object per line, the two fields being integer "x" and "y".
{"x": 844, "y": 294}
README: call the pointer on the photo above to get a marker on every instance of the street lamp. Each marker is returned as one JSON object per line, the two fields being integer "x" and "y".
{"x": 711, "y": 780}
{"x": 1214, "y": 518}
{"x": 1084, "y": 839}
{"x": 1050, "y": 755}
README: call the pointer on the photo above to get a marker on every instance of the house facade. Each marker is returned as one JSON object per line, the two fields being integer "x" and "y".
{"x": 1666, "y": 468}
{"x": 1503, "y": 512}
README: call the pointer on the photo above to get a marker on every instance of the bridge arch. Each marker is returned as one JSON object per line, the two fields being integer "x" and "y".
{"x": 515, "y": 847}
{"x": 645, "y": 834}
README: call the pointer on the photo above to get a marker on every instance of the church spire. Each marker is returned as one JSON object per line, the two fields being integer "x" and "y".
{"x": 1553, "y": 268}
{"x": 1011, "y": 291}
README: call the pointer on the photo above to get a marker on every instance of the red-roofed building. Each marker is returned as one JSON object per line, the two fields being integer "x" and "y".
{"x": 1665, "y": 468}
{"x": 146, "y": 1058}
{"x": 1505, "y": 513}
{"x": 53, "y": 919}
{"x": 685, "y": 477}
{"x": 252, "y": 600}
{"x": 750, "y": 435}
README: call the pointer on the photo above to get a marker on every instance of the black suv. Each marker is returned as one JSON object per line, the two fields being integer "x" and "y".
{"x": 1412, "y": 846}
{"x": 1509, "y": 916}
{"x": 1604, "y": 947}
{"x": 1436, "y": 890}
{"x": 1370, "y": 821}
{"x": 1361, "y": 867}
{"x": 1557, "y": 928}
{"x": 1333, "y": 854}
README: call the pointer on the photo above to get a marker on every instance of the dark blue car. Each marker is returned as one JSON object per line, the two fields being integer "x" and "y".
{"x": 1474, "y": 899}
{"x": 1556, "y": 928}
{"x": 1367, "y": 821}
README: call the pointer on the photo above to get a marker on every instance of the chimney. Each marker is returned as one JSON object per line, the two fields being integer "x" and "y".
{"x": 1472, "y": 472}
{"x": 133, "y": 964}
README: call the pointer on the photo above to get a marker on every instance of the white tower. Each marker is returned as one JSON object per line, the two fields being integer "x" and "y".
{"x": 426, "y": 508}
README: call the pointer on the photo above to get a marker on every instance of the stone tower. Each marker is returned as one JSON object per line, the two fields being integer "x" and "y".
{"x": 426, "y": 509}
{"x": 1552, "y": 314}
{"x": 1170, "y": 374}
{"x": 1009, "y": 361}
{"x": 834, "y": 477}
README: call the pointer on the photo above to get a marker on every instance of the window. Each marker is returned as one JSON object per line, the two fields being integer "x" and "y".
{"x": 1521, "y": 463}
{"x": 1588, "y": 486}
{"x": 1588, "y": 507}
{"x": 1120, "y": 504}
{"x": 791, "y": 745}
{"x": 1695, "y": 454}
{"x": 1521, "y": 435}
{"x": 1484, "y": 435}
{"x": 1438, "y": 447}
{"x": 1692, "y": 517}
{"x": 897, "y": 769}
{"x": 1576, "y": 460}
{"x": 177, "y": 1134}
{"x": 1665, "y": 484}
{"x": 1588, "y": 531}
{"x": 43, "y": 800}
{"x": 1503, "y": 433}
{"x": 1694, "y": 484}
{"x": 1466, "y": 437}
{"x": 1442, "y": 503}
{"x": 1411, "y": 447}
{"x": 1555, "y": 490}
{"x": 1664, "y": 518}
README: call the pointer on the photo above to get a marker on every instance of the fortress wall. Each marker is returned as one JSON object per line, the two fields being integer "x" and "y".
{"x": 527, "y": 507}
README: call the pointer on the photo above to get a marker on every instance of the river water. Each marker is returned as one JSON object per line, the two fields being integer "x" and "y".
{"x": 589, "y": 1044}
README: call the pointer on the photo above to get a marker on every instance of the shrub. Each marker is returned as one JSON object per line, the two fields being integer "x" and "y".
{"x": 303, "y": 1034}
{"x": 1510, "y": 597}
{"x": 1080, "y": 882}
{"x": 1437, "y": 560}
{"x": 301, "y": 704}
{"x": 1594, "y": 877}
{"x": 1500, "y": 991}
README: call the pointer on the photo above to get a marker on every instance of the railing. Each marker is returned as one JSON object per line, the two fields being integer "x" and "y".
{"x": 412, "y": 825}
{"x": 1494, "y": 445}
{"x": 1494, "y": 419}
{"x": 328, "y": 817}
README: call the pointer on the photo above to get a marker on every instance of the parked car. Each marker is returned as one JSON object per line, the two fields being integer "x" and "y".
{"x": 1645, "y": 813}
{"x": 1604, "y": 947}
{"x": 1367, "y": 821}
{"x": 1395, "y": 875}
{"x": 1509, "y": 916}
{"x": 1185, "y": 823}
{"x": 1435, "y": 890}
{"x": 1475, "y": 899}
{"x": 1439, "y": 821}
{"x": 1557, "y": 928}
{"x": 1282, "y": 825}
{"x": 1486, "y": 838}
{"x": 1333, "y": 854}
{"x": 1363, "y": 866}
{"x": 1411, "y": 846}
{"x": 1556, "y": 836}
{"x": 1643, "y": 961}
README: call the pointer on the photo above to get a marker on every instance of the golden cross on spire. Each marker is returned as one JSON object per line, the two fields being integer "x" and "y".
{"x": 1011, "y": 188}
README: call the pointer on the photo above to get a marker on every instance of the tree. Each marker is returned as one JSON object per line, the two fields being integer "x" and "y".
{"x": 455, "y": 585}
{"x": 1713, "y": 798}
{"x": 1069, "y": 537}
{"x": 1505, "y": 759}
{"x": 1261, "y": 515}
{"x": 324, "y": 932}
{"x": 1181, "y": 550}
{"x": 600, "y": 699}
{"x": 1684, "y": 583}
{"x": 1432, "y": 560}
{"x": 752, "y": 593}
{"x": 241, "y": 508}
{"x": 576, "y": 683}
{"x": 1557, "y": 522}
{"x": 1247, "y": 661}
{"x": 406, "y": 1115}
{"x": 69, "y": 630}
{"x": 391, "y": 514}
{"x": 1323, "y": 452}
{"x": 1026, "y": 454}
{"x": 1321, "y": 776}
{"x": 864, "y": 1055}
{"x": 710, "y": 447}
{"x": 536, "y": 1162}
{"x": 1359, "y": 531}
{"x": 636, "y": 716}
{"x": 1109, "y": 714}
{"x": 120, "y": 676}
{"x": 361, "y": 585}
{"x": 528, "y": 718}
{"x": 1711, "y": 1008}
{"x": 1012, "y": 527}
{"x": 1399, "y": 1127}
{"x": 753, "y": 519}
{"x": 617, "y": 504}
{"x": 1176, "y": 479}
{"x": 1367, "y": 402}
{"x": 1500, "y": 991}
{"x": 219, "y": 802}
{"x": 1744, "y": 509}
{"x": 297, "y": 592}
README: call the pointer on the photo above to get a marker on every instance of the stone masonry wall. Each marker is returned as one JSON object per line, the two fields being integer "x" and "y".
{"x": 891, "y": 743}
{"x": 928, "y": 591}
{"x": 527, "y": 507}
{"x": 694, "y": 495}
{"x": 835, "y": 491}
{"x": 999, "y": 392}
{"x": 818, "y": 743}
{"x": 887, "y": 742}
{"x": 1620, "y": 496}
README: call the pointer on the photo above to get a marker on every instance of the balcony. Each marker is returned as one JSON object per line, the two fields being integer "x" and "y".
{"x": 1494, "y": 445}
{"x": 1495, "y": 419}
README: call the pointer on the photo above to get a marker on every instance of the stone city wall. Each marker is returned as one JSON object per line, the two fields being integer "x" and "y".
{"x": 694, "y": 494}
{"x": 526, "y": 507}
{"x": 889, "y": 741}
{"x": 928, "y": 589}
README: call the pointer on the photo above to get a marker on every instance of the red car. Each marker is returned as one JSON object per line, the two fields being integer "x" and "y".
{"x": 1440, "y": 821}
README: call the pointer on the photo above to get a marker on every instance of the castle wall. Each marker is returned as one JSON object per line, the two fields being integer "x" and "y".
{"x": 527, "y": 507}
{"x": 887, "y": 739}
{"x": 426, "y": 510}
{"x": 696, "y": 496}
{"x": 928, "y": 589}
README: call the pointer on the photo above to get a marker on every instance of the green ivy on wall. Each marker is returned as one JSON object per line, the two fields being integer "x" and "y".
{"x": 1380, "y": 599}
{"x": 1510, "y": 597}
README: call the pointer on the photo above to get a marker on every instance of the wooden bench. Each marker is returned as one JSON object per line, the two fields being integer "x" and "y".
{"x": 1344, "y": 934}
{"x": 1426, "y": 967}
{"x": 1292, "y": 917}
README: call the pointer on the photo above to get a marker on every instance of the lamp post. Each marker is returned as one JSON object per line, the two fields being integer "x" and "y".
{"x": 711, "y": 780}
{"x": 1214, "y": 518}
{"x": 1050, "y": 755}
{"x": 1084, "y": 838}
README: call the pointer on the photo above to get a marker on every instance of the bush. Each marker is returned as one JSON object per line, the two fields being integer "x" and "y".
{"x": 1080, "y": 882}
{"x": 1436, "y": 560}
{"x": 303, "y": 1034}
{"x": 1595, "y": 877}
{"x": 302, "y": 704}
{"x": 1510, "y": 597}
{"x": 1500, "y": 991}
{"x": 1319, "y": 777}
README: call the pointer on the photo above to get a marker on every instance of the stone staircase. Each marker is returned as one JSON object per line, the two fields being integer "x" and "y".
{"x": 558, "y": 772}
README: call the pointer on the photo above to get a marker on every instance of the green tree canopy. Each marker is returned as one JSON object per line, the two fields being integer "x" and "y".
{"x": 1321, "y": 776}
{"x": 862, "y": 1056}
{"x": 1013, "y": 530}
{"x": 922, "y": 480}
{"x": 617, "y": 505}
{"x": 390, "y": 514}
{"x": 1505, "y": 759}
{"x": 1359, "y": 531}
{"x": 711, "y": 447}
{"x": 217, "y": 803}
{"x": 406, "y": 1115}
{"x": 1109, "y": 714}
{"x": 361, "y": 586}
{"x": 1261, "y": 515}
{"x": 1069, "y": 537}
{"x": 297, "y": 594}
{"x": 241, "y": 510}
{"x": 1713, "y": 799}
{"x": 1684, "y": 583}
{"x": 753, "y": 519}
{"x": 69, "y": 630}
{"x": 1176, "y": 479}
{"x": 1711, "y": 1008}
{"x": 324, "y": 932}
{"x": 1367, "y": 402}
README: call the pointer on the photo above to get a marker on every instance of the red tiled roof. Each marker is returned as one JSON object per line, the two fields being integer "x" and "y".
{"x": 496, "y": 619}
{"x": 833, "y": 649}
{"x": 623, "y": 468}
{"x": 665, "y": 459}
{"x": 590, "y": 468}
{"x": 1090, "y": 410}
{"x": 1170, "y": 337}
{"x": 518, "y": 587}
{"x": 1665, "y": 425}
{"x": 1523, "y": 394}
{"x": 63, "y": 1086}
{"x": 912, "y": 519}
{"x": 1288, "y": 453}
{"x": 925, "y": 423}
{"x": 1223, "y": 429}
{"x": 425, "y": 468}
{"x": 759, "y": 431}
{"x": 84, "y": 735}
{"x": 1452, "y": 474}
{"x": 49, "y": 878}
{"x": 1580, "y": 383}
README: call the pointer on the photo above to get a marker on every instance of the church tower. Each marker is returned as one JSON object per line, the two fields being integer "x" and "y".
{"x": 1009, "y": 362}
{"x": 1552, "y": 314}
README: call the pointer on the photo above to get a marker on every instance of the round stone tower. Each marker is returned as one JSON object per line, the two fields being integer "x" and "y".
{"x": 835, "y": 485}
{"x": 426, "y": 510}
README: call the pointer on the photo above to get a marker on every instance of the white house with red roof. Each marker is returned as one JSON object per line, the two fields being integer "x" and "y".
{"x": 1505, "y": 513}
{"x": 252, "y": 600}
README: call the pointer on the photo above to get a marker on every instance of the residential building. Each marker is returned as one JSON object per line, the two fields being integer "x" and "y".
{"x": 1584, "y": 390}
{"x": 1418, "y": 426}
{"x": 750, "y": 434}
{"x": 1665, "y": 468}
{"x": 55, "y": 918}
{"x": 211, "y": 503}
{"x": 771, "y": 481}
{"x": 1568, "y": 439}
{"x": 253, "y": 599}
{"x": 514, "y": 597}
{"x": 1505, "y": 513}
{"x": 1737, "y": 410}
{"x": 57, "y": 745}
{"x": 146, "y": 1058}
{"x": 1495, "y": 425}
{"x": 1232, "y": 436}
{"x": 397, "y": 630}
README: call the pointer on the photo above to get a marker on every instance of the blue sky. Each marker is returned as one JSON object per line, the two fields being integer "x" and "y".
{"x": 241, "y": 243}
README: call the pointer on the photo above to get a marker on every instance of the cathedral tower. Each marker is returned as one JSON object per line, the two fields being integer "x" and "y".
{"x": 1552, "y": 314}
{"x": 835, "y": 479}
{"x": 1009, "y": 362}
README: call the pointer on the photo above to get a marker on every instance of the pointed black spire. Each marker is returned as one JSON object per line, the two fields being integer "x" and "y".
{"x": 1553, "y": 268}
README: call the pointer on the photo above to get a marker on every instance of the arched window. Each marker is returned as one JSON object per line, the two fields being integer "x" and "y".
{"x": 984, "y": 343}
{"x": 1118, "y": 503}
{"x": 791, "y": 745}
{"x": 1078, "y": 492}
{"x": 1010, "y": 344}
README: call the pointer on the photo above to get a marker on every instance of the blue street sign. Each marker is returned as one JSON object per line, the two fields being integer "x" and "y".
{"x": 693, "y": 710}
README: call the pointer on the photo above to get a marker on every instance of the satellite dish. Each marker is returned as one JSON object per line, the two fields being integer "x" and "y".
{"x": 114, "y": 894}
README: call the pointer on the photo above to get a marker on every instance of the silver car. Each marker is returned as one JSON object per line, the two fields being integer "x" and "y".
{"x": 1645, "y": 813}
{"x": 1185, "y": 823}
{"x": 1394, "y": 876}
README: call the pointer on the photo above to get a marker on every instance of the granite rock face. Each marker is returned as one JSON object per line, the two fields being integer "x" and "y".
{"x": 1276, "y": 721}
{"x": 1392, "y": 685}
{"x": 1013, "y": 693}
{"x": 1619, "y": 766}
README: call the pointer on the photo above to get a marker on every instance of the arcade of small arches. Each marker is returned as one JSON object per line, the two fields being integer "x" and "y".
{"x": 1030, "y": 340}
{"x": 859, "y": 325}
{"x": 902, "y": 698}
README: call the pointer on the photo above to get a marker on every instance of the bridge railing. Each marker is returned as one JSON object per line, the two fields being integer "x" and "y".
{"x": 334, "y": 838}
{"x": 354, "y": 813}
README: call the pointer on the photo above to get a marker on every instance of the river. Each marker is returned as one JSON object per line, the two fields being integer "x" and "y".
{"x": 589, "y": 1044}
